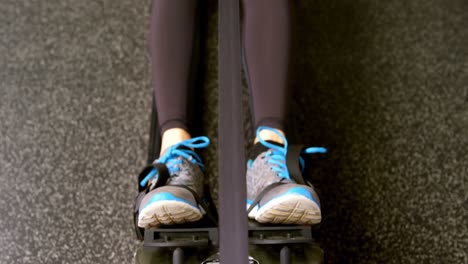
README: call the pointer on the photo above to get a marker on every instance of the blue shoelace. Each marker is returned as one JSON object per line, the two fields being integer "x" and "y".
{"x": 277, "y": 156}
{"x": 170, "y": 157}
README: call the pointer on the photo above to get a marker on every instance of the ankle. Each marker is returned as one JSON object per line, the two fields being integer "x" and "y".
{"x": 171, "y": 137}
{"x": 270, "y": 136}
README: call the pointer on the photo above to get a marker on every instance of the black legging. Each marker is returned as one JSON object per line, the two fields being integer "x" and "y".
{"x": 266, "y": 42}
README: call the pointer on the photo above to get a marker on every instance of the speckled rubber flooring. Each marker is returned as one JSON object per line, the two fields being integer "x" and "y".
{"x": 382, "y": 84}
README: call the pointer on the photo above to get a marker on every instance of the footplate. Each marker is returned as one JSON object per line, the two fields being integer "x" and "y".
{"x": 260, "y": 234}
{"x": 283, "y": 244}
{"x": 181, "y": 237}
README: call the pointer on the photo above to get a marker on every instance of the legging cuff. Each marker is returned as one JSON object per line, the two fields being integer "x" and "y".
{"x": 173, "y": 123}
{"x": 271, "y": 122}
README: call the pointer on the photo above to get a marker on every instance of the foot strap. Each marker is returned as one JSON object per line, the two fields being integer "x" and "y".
{"x": 163, "y": 176}
{"x": 292, "y": 162}
{"x": 262, "y": 193}
{"x": 206, "y": 207}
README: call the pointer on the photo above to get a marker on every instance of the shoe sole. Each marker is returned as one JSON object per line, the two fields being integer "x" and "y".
{"x": 168, "y": 213}
{"x": 290, "y": 209}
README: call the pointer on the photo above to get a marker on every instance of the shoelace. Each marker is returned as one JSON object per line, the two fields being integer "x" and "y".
{"x": 277, "y": 155}
{"x": 172, "y": 154}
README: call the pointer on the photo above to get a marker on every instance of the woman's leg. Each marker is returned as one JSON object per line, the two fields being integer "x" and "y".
{"x": 171, "y": 40}
{"x": 267, "y": 47}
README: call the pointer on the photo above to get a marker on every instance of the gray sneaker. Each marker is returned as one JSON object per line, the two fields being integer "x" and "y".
{"x": 272, "y": 195}
{"x": 175, "y": 179}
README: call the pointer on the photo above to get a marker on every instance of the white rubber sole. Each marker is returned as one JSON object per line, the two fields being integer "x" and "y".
{"x": 288, "y": 209}
{"x": 168, "y": 213}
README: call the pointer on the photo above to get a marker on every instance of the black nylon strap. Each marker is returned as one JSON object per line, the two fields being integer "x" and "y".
{"x": 138, "y": 231}
{"x": 199, "y": 201}
{"x": 262, "y": 193}
{"x": 233, "y": 218}
{"x": 163, "y": 175}
{"x": 292, "y": 162}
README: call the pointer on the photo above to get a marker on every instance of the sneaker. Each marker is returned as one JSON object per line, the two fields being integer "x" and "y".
{"x": 273, "y": 196}
{"x": 175, "y": 183}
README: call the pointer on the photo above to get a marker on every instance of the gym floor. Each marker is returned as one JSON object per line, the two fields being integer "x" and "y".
{"x": 382, "y": 84}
